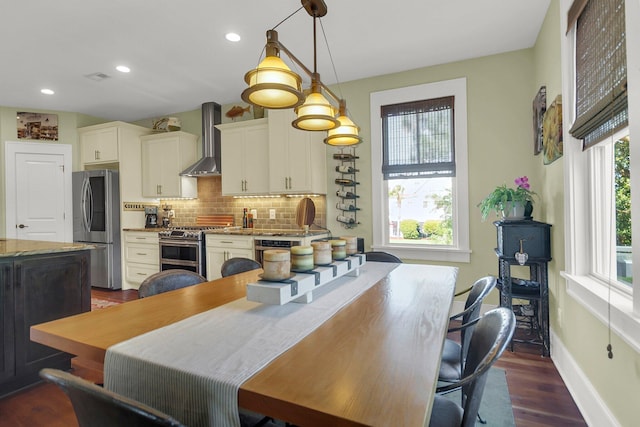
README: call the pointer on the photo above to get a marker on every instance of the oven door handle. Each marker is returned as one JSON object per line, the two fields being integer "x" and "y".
{"x": 190, "y": 243}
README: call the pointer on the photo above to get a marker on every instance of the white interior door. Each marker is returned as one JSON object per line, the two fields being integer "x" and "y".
{"x": 39, "y": 192}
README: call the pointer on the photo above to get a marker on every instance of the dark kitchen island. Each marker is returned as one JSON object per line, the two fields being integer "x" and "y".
{"x": 39, "y": 281}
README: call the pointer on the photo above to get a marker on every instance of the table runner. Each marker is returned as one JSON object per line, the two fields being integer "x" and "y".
{"x": 193, "y": 369}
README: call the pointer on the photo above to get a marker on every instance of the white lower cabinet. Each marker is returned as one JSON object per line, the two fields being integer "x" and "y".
{"x": 221, "y": 248}
{"x": 141, "y": 256}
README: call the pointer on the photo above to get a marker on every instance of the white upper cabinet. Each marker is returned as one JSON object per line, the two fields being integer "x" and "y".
{"x": 297, "y": 159}
{"x": 99, "y": 146}
{"x": 109, "y": 142}
{"x": 164, "y": 156}
{"x": 245, "y": 154}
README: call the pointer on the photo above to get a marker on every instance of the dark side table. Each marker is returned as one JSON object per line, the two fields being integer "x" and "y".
{"x": 532, "y": 238}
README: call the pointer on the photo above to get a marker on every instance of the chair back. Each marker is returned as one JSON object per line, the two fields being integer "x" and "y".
{"x": 238, "y": 265}
{"x": 377, "y": 256}
{"x": 168, "y": 280}
{"x": 489, "y": 340}
{"x": 479, "y": 290}
{"x": 96, "y": 407}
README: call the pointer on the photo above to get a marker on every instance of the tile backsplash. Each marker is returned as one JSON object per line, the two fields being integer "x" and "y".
{"x": 210, "y": 201}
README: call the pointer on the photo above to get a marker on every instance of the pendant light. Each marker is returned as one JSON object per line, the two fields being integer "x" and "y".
{"x": 345, "y": 134}
{"x": 272, "y": 84}
{"x": 316, "y": 114}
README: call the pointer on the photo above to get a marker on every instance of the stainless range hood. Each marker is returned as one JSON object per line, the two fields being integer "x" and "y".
{"x": 209, "y": 164}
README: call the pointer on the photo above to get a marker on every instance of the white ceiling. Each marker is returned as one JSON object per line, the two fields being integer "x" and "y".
{"x": 179, "y": 57}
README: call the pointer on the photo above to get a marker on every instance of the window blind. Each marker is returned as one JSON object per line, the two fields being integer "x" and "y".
{"x": 418, "y": 139}
{"x": 601, "y": 70}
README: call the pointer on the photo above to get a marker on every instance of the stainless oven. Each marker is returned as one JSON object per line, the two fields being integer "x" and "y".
{"x": 182, "y": 249}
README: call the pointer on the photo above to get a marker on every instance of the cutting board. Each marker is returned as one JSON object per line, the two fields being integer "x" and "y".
{"x": 221, "y": 220}
{"x": 305, "y": 212}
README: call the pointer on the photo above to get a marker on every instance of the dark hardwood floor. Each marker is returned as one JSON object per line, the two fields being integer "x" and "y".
{"x": 538, "y": 394}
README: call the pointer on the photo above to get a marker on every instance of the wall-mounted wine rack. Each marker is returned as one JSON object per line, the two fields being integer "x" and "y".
{"x": 347, "y": 193}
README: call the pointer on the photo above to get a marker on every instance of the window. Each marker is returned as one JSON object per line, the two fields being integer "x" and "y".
{"x": 611, "y": 258}
{"x": 601, "y": 166}
{"x": 419, "y": 171}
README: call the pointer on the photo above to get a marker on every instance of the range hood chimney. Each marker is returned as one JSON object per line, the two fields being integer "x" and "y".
{"x": 209, "y": 164}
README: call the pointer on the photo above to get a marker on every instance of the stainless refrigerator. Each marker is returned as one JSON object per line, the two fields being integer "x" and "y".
{"x": 96, "y": 220}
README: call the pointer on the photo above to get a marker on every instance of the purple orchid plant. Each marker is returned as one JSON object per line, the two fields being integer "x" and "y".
{"x": 502, "y": 197}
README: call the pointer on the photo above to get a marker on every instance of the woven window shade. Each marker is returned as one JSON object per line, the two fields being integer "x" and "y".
{"x": 601, "y": 71}
{"x": 418, "y": 139}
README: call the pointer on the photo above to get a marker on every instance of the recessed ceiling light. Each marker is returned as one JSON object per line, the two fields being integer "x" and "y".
{"x": 232, "y": 37}
{"x": 47, "y": 91}
{"x": 123, "y": 68}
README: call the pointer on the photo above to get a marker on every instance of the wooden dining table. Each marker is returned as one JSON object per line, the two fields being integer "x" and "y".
{"x": 374, "y": 362}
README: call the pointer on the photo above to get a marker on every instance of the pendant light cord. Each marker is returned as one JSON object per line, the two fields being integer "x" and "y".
{"x": 333, "y": 65}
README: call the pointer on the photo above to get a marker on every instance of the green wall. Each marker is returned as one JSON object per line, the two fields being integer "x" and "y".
{"x": 617, "y": 380}
{"x": 499, "y": 130}
{"x": 67, "y": 134}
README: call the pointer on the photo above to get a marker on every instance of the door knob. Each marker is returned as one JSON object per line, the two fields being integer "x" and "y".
{"x": 23, "y": 226}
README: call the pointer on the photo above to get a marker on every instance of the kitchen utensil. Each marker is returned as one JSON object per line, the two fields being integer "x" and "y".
{"x": 305, "y": 212}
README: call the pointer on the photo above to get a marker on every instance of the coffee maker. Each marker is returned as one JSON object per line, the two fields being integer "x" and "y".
{"x": 151, "y": 216}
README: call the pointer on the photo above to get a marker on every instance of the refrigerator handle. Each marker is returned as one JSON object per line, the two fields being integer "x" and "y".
{"x": 85, "y": 195}
{"x": 90, "y": 194}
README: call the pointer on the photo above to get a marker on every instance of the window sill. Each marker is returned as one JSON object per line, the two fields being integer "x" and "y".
{"x": 593, "y": 295}
{"x": 427, "y": 254}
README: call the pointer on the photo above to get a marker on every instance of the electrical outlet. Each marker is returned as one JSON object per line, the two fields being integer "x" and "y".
{"x": 172, "y": 213}
{"x": 272, "y": 214}
{"x": 254, "y": 212}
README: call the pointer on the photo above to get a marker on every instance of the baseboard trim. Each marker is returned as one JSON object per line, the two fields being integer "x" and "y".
{"x": 594, "y": 410}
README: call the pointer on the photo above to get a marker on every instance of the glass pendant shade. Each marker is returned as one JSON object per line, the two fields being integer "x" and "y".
{"x": 316, "y": 114}
{"x": 345, "y": 134}
{"x": 273, "y": 85}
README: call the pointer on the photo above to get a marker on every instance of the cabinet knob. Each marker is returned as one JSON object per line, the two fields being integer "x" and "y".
{"x": 22, "y": 226}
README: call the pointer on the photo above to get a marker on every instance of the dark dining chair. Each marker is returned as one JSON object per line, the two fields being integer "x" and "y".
{"x": 454, "y": 354}
{"x": 490, "y": 338}
{"x": 96, "y": 407}
{"x": 168, "y": 280}
{"x": 377, "y": 256}
{"x": 238, "y": 265}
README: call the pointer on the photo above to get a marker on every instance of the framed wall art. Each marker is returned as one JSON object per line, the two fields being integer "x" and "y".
{"x": 552, "y": 132}
{"x": 38, "y": 126}
{"x": 539, "y": 107}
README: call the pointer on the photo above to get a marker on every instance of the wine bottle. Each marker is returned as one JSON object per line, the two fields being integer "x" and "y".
{"x": 346, "y": 182}
{"x": 345, "y": 169}
{"x": 244, "y": 218}
{"x": 344, "y": 219}
{"x": 345, "y": 207}
{"x": 345, "y": 194}
{"x": 344, "y": 156}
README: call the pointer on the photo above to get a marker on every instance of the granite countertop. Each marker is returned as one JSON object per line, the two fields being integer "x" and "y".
{"x": 239, "y": 231}
{"x": 261, "y": 233}
{"x": 15, "y": 247}
{"x": 150, "y": 230}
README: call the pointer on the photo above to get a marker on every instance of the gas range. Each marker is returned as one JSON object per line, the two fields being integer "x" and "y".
{"x": 187, "y": 233}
